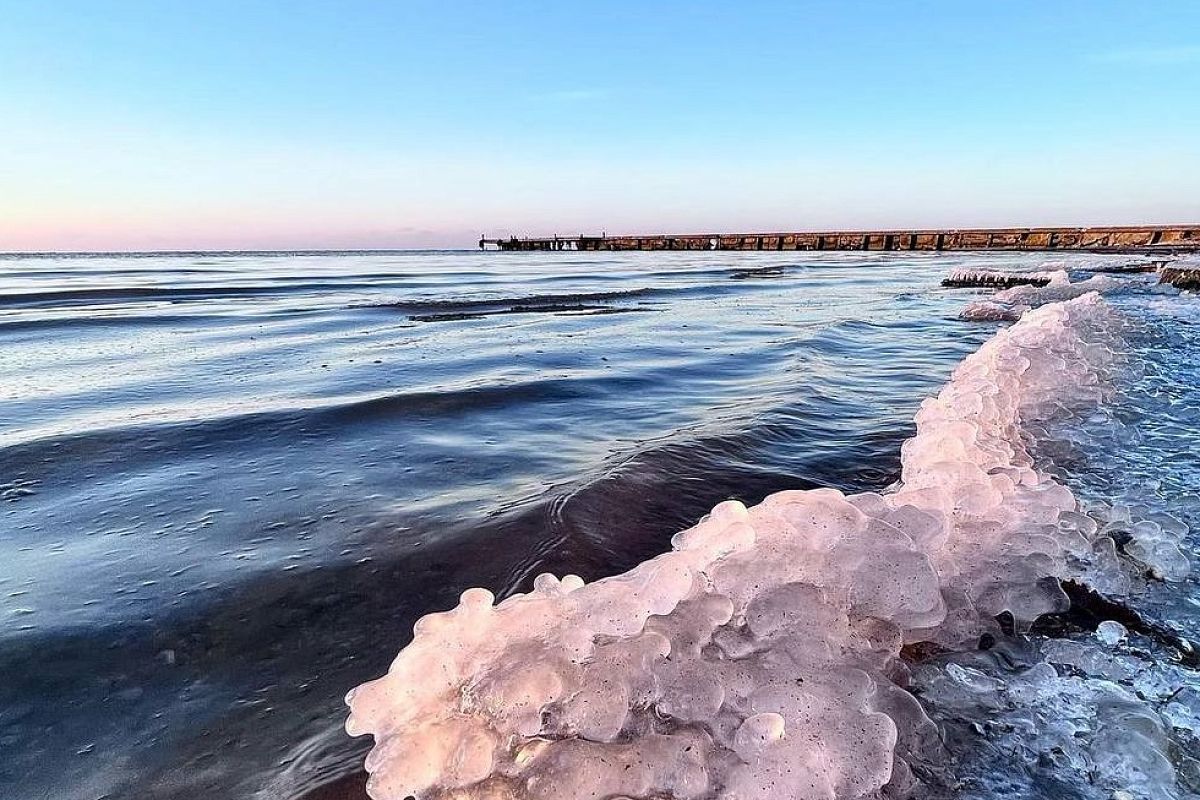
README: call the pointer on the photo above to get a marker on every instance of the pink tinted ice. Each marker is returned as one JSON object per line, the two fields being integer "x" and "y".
{"x": 759, "y": 658}
{"x": 1009, "y": 304}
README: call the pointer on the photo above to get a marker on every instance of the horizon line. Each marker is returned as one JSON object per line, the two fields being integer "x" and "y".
{"x": 284, "y": 251}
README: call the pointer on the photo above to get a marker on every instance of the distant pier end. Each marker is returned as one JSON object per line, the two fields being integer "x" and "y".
{"x": 1145, "y": 238}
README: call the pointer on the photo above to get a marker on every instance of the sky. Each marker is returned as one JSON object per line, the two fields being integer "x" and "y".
{"x": 292, "y": 124}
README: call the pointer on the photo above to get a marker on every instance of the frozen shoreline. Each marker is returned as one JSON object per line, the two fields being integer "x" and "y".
{"x": 972, "y": 534}
{"x": 700, "y": 647}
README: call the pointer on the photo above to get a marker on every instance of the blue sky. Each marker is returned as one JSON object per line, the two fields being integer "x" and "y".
{"x": 141, "y": 125}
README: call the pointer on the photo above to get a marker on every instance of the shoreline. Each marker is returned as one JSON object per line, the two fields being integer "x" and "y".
{"x": 967, "y": 553}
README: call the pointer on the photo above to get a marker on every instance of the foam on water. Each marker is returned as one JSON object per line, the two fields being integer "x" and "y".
{"x": 761, "y": 656}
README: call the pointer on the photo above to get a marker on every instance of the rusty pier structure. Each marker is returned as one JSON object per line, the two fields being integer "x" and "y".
{"x": 1164, "y": 239}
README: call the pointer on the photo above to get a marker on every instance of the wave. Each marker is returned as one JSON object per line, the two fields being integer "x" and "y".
{"x": 773, "y": 271}
{"x": 41, "y": 325}
{"x": 474, "y": 308}
{"x": 97, "y": 295}
{"x": 1128, "y": 268}
{"x": 544, "y": 308}
{"x": 478, "y": 303}
{"x": 194, "y": 423}
{"x": 761, "y": 657}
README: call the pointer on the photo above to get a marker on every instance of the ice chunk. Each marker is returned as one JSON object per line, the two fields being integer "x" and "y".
{"x": 991, "y": 311}
{"x": 1111, "y": 633}
{"x": 1158, "y": 547}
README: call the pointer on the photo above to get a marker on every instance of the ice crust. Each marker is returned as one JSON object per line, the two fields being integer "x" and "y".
{"x": 760, "y": 657}
{"x": 995, "y": 278}
{"x": 1009, "y": 304}
{"x": 1104, "y": 722}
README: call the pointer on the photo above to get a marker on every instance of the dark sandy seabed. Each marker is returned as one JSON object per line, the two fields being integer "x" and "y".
{"x": 231, "y": 483}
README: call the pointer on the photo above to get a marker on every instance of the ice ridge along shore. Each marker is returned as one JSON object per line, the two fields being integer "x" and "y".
{"x": 761, "y": 656}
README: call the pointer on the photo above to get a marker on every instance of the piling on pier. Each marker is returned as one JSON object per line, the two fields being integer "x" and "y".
{"x": 1146, "y": 238}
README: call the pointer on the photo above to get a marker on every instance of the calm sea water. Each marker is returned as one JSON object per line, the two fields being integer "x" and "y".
{"x": 231, "y": 483}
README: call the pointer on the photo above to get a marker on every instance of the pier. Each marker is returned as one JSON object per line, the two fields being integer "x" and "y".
{"x": 1145, "y": 238}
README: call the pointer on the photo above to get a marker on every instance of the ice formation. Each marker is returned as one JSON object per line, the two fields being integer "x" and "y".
{"x": 990, "y": 278}
{"x": 1105, "y": 720}
{"x": 991, "y": 311}
{"x": 1011, "y": 303}
{"x": 760, "y": 657}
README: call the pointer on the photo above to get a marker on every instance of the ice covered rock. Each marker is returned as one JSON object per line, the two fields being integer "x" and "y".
{"x": 1156, "y": 543}
{"x": 991, "y": 311}
{"x": 1111, "y": 633}
{"x": 979, "y": 278}
{"x": 1052, "y": 287}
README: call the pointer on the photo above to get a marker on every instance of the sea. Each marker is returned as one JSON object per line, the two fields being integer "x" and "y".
{"x": 231, "y": 482}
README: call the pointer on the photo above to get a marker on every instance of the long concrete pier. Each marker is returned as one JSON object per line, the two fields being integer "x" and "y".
{"x": 1138, "y": 238}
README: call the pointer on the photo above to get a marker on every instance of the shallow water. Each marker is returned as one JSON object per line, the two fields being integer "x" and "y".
{"x": 233, "y": 482}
